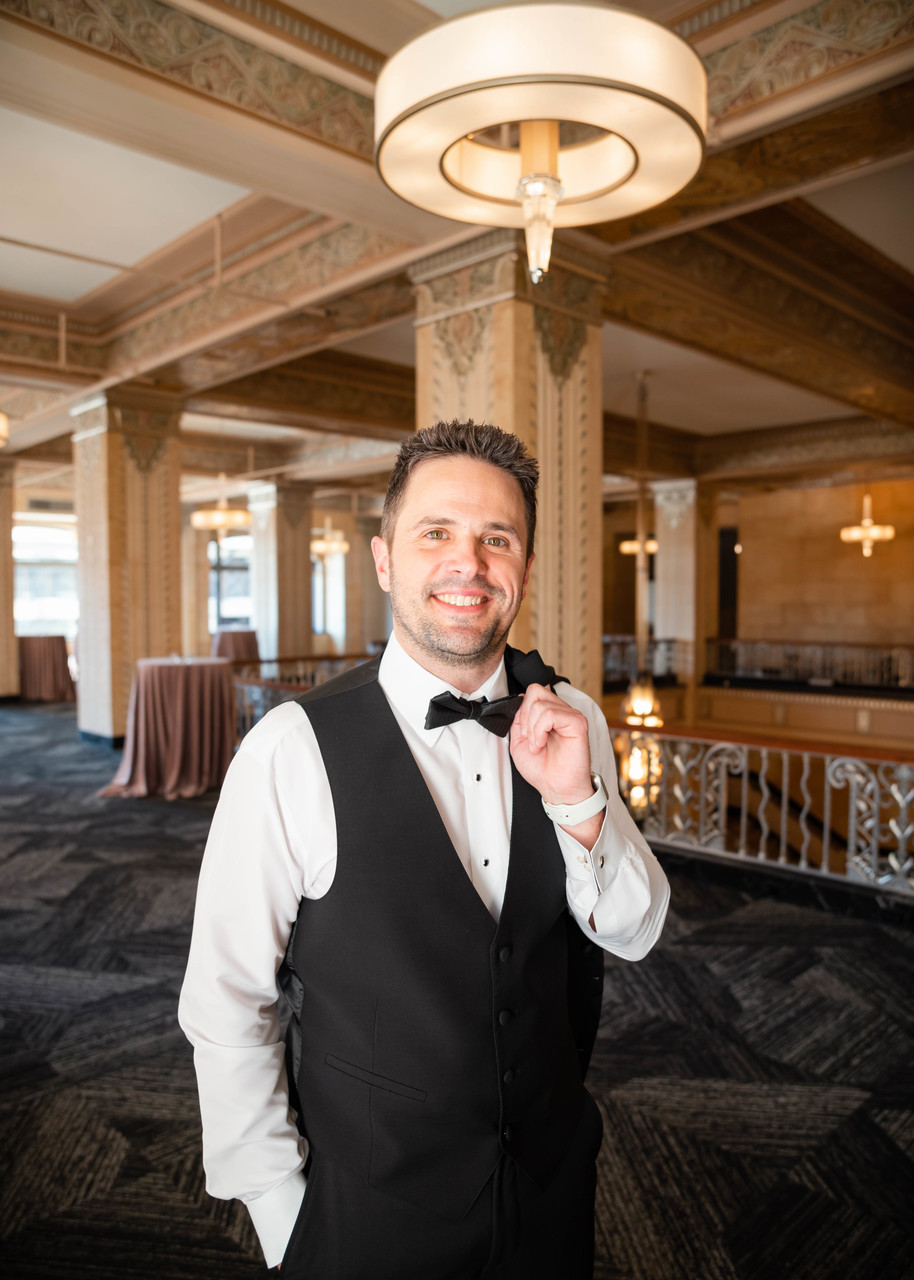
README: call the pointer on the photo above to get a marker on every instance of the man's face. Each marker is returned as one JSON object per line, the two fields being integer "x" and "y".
{"x": 456, "y": 567}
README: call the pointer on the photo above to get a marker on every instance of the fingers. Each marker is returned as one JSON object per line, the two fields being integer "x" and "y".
{"x": 543, "y": 713}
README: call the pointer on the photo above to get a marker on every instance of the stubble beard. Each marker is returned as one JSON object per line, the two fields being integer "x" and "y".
{"x": 443, "y": 643}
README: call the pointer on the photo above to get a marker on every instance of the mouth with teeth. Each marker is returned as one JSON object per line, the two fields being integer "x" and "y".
{"x": 460, "y": 601}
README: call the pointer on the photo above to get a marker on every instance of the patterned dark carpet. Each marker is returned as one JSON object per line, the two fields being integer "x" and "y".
{"x": 755, "y": 1072}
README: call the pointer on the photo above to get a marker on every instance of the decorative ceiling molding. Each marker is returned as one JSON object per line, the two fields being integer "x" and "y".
{"x": 292, "y": 27}
{"x": 849, "y": 447}
{"x": 844, "y": 450}
{"x": 293, "y": 336}
{"x": 823, "y": 42}
{"x": 291, "y": 282}
{"x": 333, "y": 391}
{"x": 172, "y": 45}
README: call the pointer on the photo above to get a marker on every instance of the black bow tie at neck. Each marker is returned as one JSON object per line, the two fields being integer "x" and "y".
{"x": 496, "y": 716}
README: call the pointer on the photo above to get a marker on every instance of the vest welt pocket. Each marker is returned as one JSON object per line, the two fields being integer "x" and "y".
{"x": 372, "y": 1078}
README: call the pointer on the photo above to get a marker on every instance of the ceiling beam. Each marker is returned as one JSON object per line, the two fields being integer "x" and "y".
{"x": 332, "y": 391}
{"x": 739, "y": 293}
{"x": 799, "y": 157}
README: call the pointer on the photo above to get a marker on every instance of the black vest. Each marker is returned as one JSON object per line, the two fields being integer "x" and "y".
{"x": 426, "y": 1039}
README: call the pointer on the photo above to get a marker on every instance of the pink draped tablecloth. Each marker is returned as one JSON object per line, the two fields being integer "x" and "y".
{"x": 43, "y": 672}
{"x": 180, "y": 728}
{"x": 237, "y": 645}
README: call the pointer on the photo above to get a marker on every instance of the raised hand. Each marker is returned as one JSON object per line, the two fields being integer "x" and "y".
{"x": 550, "y": 745}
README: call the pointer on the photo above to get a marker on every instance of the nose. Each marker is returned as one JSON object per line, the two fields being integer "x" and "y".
{"x": 467, "y": 557}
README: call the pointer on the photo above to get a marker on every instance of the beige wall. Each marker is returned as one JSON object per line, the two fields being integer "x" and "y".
{"x": 798, "y": 581}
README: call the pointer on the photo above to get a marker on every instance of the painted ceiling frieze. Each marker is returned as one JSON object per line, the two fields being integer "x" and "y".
{"x": 194, "y": 55}
{"x": 280, "y": 282}
{"x": 826, "y": 38}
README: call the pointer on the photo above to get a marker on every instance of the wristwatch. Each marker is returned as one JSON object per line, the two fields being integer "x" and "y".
{"x": 569, "y": 815}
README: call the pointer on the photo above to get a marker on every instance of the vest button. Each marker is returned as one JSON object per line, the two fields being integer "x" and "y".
{"x": 508, "y": 1076}
{"x": 505, "y": 1017}
{"x": 504, "y": 954}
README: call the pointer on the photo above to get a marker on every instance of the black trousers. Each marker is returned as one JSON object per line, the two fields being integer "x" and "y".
{"x": 516, "y": 1230}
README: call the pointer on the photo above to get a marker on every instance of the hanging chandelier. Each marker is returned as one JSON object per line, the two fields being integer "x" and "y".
{"x": 328, "y": 542}
{"x": 221, "y": 518}
{"x": 866, "y": 532}
{"x": 541, "y": 116}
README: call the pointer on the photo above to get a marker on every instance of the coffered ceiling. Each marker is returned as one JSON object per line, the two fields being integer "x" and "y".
{"x": 189, "y": 203}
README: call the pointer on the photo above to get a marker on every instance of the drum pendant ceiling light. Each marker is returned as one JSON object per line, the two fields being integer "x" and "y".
{"x": 541, "y": 116}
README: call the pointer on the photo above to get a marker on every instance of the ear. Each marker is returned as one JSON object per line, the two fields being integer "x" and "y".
{"x": 381, "y": 562}
{"x": 523, "y": 585}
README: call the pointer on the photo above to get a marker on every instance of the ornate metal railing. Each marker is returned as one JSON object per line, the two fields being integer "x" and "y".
{"x": 819, "y": 814}
{"x": 854, "y": 665}
{"x": 665, "y": 658}
{"x": 261, "y": 686}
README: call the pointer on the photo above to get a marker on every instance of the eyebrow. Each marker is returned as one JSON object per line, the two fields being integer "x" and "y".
{"x": 445, "y": 522}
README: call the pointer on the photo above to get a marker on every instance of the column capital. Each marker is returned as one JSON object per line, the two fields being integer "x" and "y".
{"x": 146, "y": 417}
{"x": 493, "y": 268}
{"x": 674, "y": 498}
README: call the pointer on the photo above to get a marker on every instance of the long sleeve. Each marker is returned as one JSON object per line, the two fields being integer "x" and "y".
{"x": 263, "y": 854}
{"x": 619, "y": 883}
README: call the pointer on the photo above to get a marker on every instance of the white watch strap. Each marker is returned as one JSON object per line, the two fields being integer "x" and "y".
{"x": 569, "y": 815}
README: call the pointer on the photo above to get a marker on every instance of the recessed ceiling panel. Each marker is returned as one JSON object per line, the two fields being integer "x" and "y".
{"x": 67, "y": 191}
{"x": 698, "y": 393}
{"x": 47, "y": 275}
{"x": 878, "y": 207}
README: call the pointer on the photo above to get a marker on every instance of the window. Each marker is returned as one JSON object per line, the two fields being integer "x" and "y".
{"x": 46, "y": 600}
{"x": 229, "y": 581}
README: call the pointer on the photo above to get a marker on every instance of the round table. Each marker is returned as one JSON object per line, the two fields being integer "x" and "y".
{"x": 180, "y": 728}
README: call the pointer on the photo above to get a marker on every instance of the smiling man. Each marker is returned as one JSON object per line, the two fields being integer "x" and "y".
{"x": 428, "y": 854}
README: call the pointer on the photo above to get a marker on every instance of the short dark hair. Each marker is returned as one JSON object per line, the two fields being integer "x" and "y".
{"x": 468, "y": 439}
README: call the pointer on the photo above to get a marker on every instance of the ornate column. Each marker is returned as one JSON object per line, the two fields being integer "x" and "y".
{"x": 128, "y": 467}
{"x": 9, "y": 651}
{"x": 281, "y": 567}
{"x": 195, "y": 637}
{"x": 492, "y": 346}
{"x": 674, "y": 567}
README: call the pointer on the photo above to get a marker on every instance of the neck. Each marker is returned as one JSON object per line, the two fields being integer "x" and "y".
{"x": 466, "y": 677}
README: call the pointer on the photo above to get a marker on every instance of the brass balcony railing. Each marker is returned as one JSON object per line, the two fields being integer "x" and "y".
{"x": 666, "y": 659}
{"x": 820, "y": 814}
{"x": 817, "y": 665}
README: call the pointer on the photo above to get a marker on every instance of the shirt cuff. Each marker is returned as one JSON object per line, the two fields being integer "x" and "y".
{"x": 610, "y": 884}
{"x": 274, "y": 1215}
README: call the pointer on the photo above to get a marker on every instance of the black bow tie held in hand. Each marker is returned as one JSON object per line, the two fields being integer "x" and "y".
{"x": 496, "y": 716}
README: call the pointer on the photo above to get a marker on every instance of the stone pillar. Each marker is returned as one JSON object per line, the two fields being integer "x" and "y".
{"x": 492, "y": 346}
{"x": 281, "y": 567}
{"x": 373, "y": 621}
{"x": 674, "y": 568}
{"x": 195, "y": 637}
{"x": 9, "y": 650}
{"x": 707, "y": 575}
{"x": 128, "y": 467}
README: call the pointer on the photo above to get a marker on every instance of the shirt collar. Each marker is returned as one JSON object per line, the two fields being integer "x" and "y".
{"x": 409, "y": 687}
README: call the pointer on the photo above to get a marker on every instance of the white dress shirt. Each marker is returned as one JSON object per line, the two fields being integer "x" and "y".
{"x": 273, "y": 842}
